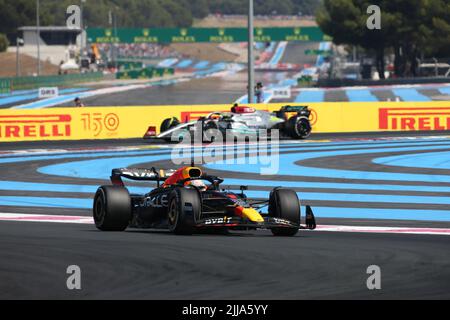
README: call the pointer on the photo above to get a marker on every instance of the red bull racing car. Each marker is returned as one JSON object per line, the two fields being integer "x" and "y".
{"x": 187, "y": 201}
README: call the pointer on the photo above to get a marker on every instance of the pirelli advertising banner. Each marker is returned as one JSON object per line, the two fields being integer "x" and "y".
{"x": 78, "y": 123}
{"x": 132, "y": 122}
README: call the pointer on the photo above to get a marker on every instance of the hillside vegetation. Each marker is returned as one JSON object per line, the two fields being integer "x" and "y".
{"x": 141, "y": 13}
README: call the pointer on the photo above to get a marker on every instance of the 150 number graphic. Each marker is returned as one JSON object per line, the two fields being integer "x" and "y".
{"x": 97, "y": 122}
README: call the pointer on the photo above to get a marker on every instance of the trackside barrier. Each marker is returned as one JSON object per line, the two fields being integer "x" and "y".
{"x": 210, "y": 35}
{"x": 147, "y": 73}
{"x": 5, "y": 86}
{"x": 18, "y": 83}
{"x": 133, "y": 122}
{"x": 130, "y": 65}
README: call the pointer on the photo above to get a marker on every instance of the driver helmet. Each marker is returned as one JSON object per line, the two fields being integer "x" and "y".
{"x": 215, "y": 116}
{"x": 197, "y": 183}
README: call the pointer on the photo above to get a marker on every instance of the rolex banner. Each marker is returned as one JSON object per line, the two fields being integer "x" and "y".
{"x": 190, "y": 35}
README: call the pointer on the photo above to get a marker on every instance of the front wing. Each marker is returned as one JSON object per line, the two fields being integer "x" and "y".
{"x": 238, "y": 222}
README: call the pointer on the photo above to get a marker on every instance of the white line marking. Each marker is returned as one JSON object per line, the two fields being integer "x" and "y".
{"x": 45, "y": 218}
{"x": 26, "y": 152}
{"x": 397, "y": 230}
{"x": 328, "y": 228}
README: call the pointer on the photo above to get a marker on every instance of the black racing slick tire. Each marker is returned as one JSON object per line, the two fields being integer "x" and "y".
{"x": 112, "y": 208}
{"x": 298, "y": 127}
{"x": 284, "y": 204}
{"x": 183, "y": 211}
{"x": 168, "y": 124}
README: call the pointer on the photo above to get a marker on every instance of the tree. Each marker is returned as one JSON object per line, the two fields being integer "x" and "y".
{"x": 14, "y": 14}
{"x": 4, "y": 43}
{"x": 137, "y": 13}
{"x": 346, "y": 22}
{"x": 199, "y": 8}
{"x": 181, "y": 16}
{"x": 412, "y": 28}
{"x": 305, "y": 7}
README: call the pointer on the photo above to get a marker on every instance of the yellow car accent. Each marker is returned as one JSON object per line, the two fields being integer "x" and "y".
{"x": 252, "y": 215}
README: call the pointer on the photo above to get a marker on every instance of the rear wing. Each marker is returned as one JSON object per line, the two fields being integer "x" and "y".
{"x": 138, "y": 174}
{"x": 294, "y": 108}
{"x": 300, "y": 110}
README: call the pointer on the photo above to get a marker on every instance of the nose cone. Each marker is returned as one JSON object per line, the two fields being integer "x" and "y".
{"x": 251, "y": 214}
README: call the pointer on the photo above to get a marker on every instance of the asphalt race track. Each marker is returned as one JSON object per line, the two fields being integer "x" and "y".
{"x": 379, "y": 200}
{"x": 218, "y": 90}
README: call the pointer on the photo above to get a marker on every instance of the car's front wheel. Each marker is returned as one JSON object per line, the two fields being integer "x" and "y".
{"x": 112, "y": 208}
{"x": 284, "y": 204}
{"x": 183, "y": 211}
{"x": 168, "y": 124}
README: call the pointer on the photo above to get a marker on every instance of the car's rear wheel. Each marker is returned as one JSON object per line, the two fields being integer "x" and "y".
{"x": 284, "y": 204}
{"x": 112, "y": 208}
{"x": 183, "y": 211}
{"x": 298, "y": 127}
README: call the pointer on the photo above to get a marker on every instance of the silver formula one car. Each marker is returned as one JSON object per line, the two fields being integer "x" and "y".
{"x": 291, "y": 121}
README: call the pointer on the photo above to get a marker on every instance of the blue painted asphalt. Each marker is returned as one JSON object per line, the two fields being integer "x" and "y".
{"x": 201, "y": 65}
{"x": 354, "y": 197}
{"x": 260, "y": 45}
{"x": 101, "y": 168}
{"x": 305, "y": 146}
{"x": 288, "y": 82}
{"x": 435, "y": 160}
{"x": 213, "y": 69}
{"x": 278, "y": 54}
{"x": 271, "y": 47}
{"x": 87, "y": 169}
{"x": 308, "y": 72}
{"x": 287, "y": 167}
{"x": 321, "y": 59}
{"x": 361, "y": 95}
{"x": 445, "y": 90}
{"x": 167, "y": 63}
{"x": 184, "y": 64}
{"x": 78, "y": 188}
{"x": 320, "y": 212}
{"x": 74, "y": 155}
{"x": 310, "y": 96}
{"x": 410, "y": 94}
{"x": 366, "y": 95}
{"x": 338, "y": 186}
{"x": 33, "y": 94}
{"x": 17, "y": 93}
{"x": 394, "y": 214}
{"x": 61, "y": 188}
{"x": 311, "y": 196}
{"x": 71, "y": 203}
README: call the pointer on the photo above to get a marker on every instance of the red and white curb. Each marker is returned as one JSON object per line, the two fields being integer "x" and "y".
{"x": 326, "y": 228}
